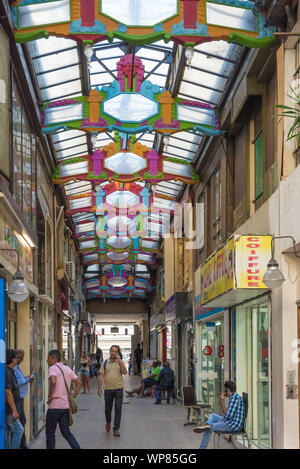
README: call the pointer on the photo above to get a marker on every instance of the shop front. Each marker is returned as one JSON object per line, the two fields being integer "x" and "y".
{"x": 251, "y": 364}
{"x": 211, "y": 360}
{"x": 179, "y": 337}
{"x": 233, "y": 330}
{"x": 14, "y": 237}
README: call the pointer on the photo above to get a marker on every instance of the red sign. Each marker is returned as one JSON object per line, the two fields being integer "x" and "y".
{"x": 207, "y": 351}
{"x": 221, "y": 351}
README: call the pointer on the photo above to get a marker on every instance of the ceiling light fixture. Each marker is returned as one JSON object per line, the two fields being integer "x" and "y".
{"x": 189, "y": 54}
{"x": 88, "y": 52}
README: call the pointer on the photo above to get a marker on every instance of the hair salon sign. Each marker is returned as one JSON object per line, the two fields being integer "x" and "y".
{"x": 238, "y": 266}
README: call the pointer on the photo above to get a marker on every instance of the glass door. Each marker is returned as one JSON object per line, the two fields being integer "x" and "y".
{"x": 257, "y": 362}
{"x": 212, "y": 362}
{"x": 263, "y": 420}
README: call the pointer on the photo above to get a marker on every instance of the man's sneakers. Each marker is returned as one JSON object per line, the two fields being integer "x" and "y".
{"x": 201, "y": 428}
{"x": 157, "y": 402}
{"x": 107, "y": 427}
{"x": 116, "y": 433}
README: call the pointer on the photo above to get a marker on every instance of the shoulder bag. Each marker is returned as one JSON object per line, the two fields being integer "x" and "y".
{"x": 72, "y": 403}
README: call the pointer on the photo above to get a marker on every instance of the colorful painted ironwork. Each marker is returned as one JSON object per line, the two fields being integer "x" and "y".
{"x": 130, "y": 106}
{"x": 141, "y": 22}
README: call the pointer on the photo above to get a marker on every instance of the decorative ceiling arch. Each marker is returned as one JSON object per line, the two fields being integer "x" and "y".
{"x": 142, "y": 22}
{"x": 130, "y": 106}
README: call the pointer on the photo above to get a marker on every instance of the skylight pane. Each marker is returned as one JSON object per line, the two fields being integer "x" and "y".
{"x": 58, "y": 76}
{"x": 61, "y": 91}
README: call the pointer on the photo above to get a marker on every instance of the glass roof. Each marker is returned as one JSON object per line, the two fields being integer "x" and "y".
{"x": 58, "y": 66}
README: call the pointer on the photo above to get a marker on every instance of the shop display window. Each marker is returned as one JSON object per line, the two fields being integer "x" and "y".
{"x": 23, "y": 159}
{"x": 212, "y": 362}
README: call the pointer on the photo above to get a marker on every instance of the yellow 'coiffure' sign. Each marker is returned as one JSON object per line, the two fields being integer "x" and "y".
{"x": 239, "y": 264}
{"x": 252, "y": 254}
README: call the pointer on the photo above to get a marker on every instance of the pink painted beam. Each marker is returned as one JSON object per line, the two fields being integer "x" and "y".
{"x": 87, "y": 13}
{"x": 97, "y": 158}
{"x": 152, "y": 157}
{"x": 190, "y": 13}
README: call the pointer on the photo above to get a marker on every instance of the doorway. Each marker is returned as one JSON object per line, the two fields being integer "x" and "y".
{"x": 252, "y": 367}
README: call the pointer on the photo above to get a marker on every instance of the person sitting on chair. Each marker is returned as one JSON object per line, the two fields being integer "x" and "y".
{"x": 232, "y": 421}
{"x": 165, "y": 382}
{"x": 147, "y": 382}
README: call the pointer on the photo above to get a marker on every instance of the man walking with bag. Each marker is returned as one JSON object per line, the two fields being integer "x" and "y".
{"x": 111, "y": 374}
{"x": 60, "y": 401}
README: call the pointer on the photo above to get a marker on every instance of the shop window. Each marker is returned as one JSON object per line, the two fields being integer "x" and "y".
{"x": 258, "y": 148}
{"x": 11, "y": 324}
{"x": 23, "y": 159}
{"x": 4, "y": 104}
{"x": 48, "y": 253}
{"x": 211, "y": 363}
{"x": 41, "y": 252}
{"x": 259, "y": 173}
{"x": 44, "y": 254}
{"x": 271, "y": 122}
{"x": 240, "y": 165}
{"x": 17, "y": 172}
{"x": 216, "y": 222}
{"x": 201, "y": 221}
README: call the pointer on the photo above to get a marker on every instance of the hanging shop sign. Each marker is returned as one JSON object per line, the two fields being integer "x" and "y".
{"x": 252, "y": 255}
{"x": 142, "y": 22}
{"x": 216, "y": 275}
{"x": 233, "y": 274}
{"x": 12, "y": 239}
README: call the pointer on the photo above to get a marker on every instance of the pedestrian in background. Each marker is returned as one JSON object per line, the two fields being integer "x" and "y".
{"x": 99, "y": 357}
{"x": 85, "y": 366}
{"x": 60, "y": 377}
{"x": 111, "y": 372}
{"x": 13, "y": 405}
{"x": 138, "y": 356}
{"x": 23, "y": 386}
{"x": 130, "y": 364}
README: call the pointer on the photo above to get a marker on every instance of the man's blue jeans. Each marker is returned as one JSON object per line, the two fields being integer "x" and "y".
{"x": 216, "y": 423}
{"x": 14, "y": 432}
{"x": 60, "y": 417}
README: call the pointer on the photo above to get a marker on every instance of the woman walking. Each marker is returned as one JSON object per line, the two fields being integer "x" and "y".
{"x": 85, "y": 364}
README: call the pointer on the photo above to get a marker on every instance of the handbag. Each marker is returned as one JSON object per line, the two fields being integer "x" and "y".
{"x": 72, "y": 403}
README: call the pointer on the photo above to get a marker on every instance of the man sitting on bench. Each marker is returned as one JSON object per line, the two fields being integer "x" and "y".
{"x": 165, "y": 382}
{"x": 232, "y": 421}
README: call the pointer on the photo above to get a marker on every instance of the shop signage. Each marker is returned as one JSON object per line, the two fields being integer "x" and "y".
{"x": 239, "y": 266}
{"x": 210, "y": 324}
{"x": 11, "y": 239}
{"x": 252, "y": 254}
{"x": 216, "y": 275}
{"x": 207, "y": 351}
{"x": 179, "y": 306}
{"x": 170, "y": 309}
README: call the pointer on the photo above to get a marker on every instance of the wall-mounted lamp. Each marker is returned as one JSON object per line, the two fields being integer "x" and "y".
{"x": 273, "y": 277}
{"x": 17, "y": 289}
